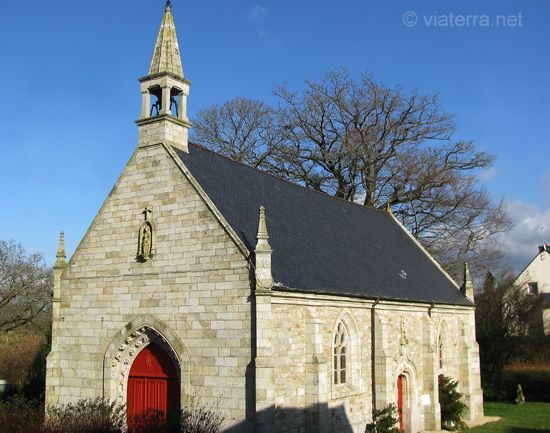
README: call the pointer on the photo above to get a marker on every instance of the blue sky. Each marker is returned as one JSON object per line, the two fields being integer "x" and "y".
{"x": 70, "y": 91}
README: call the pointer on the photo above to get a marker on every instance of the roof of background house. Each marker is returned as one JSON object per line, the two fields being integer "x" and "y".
{"x": 321, "y": 243}
{"x": 543, "y": 251}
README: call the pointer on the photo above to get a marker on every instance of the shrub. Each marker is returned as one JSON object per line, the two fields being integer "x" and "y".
{"x": 199, "y": 420}
{"x": 18, "y": 415}
{"x": 19, "y": 353}
{"x": 86, "y": 416}
{"x": 452, "y": 408}
{"x": 149, "y": 421}
{"x": 384, "y": 420}
{"x": 190, "y": 420}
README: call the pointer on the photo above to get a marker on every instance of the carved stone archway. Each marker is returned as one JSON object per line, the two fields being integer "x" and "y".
{"x": 406, "y": 377}
{"x": 128, "y": 343}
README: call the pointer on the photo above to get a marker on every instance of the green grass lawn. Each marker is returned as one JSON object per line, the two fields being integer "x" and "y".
{"x": 530, "y": 418}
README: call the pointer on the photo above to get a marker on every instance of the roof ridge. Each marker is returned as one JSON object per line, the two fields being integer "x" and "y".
{"x": 288, "y": 181}
{"x": 530, "y": 263}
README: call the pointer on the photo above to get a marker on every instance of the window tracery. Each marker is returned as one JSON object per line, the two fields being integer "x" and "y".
{"x": 340, "y": 352}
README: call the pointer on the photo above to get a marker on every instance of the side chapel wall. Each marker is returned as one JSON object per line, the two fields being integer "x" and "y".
{"x": 405, "y": 344}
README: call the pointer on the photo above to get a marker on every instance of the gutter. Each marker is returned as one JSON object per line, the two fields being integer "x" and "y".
{"x": 373, "y": 354}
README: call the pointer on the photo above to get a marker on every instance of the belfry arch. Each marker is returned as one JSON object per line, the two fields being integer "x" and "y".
{"x": 126, "y": 347}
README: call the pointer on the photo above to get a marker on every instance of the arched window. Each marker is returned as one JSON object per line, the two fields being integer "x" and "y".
{"x": 340, "y": 351}
{"x": 345, "y": 345}
{"x": 443, "y": 345}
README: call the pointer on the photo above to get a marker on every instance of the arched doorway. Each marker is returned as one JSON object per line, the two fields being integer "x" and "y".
{"x": 402, "y": 403}
{"x": 153, "y": 383}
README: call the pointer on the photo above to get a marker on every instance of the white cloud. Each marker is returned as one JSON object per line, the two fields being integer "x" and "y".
{"x": 522, "y": 242}
{"x": 258, "y": 12}
{"x": 488, "y": 174}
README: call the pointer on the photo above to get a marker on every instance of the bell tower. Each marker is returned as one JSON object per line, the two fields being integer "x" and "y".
{"x": 164, "y": 92}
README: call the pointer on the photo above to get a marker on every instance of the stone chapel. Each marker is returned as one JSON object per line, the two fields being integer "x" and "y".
{"x": 204, "y": 281}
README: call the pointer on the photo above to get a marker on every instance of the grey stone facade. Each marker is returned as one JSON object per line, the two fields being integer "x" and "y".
{"x": 260, "y": 353}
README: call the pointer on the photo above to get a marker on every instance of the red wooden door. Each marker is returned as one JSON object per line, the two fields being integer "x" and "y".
{"x": 400, "y": 400}
{"x": 152, "y": 383}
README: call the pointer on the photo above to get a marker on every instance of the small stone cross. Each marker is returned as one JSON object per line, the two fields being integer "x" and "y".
{"x": 147, "y": 211}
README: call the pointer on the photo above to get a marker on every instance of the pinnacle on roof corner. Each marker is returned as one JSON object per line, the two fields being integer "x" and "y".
{"x": 468, "y": 283}
{"x": 262, "y": 236}
{"x": 264, "y": 279}
{"x": 61, "y": 256}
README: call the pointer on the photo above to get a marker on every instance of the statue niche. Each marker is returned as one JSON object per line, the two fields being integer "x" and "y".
{"x": 146, "y": 238}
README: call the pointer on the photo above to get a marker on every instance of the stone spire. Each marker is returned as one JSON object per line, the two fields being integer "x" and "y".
{"x": 164, "y": 92}
{"x": 468, "y": 284}
{"x": 166, "y": 57}
{"x": 263, "y": 252}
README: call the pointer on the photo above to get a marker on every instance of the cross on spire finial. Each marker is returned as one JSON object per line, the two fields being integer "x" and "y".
{"x": 168, "y": 4}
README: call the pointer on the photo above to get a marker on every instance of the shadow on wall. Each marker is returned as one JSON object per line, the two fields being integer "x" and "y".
{"x": 313, "y": 419}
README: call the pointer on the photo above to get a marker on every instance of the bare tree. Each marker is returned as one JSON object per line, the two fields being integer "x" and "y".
{"x": 362, "y": 141}
{"x": 504, "y": 316}
{"x": 241, "y": 129}
{"x": 26, "y": 285}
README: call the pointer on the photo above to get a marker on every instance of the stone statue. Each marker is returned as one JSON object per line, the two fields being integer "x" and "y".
{"x": 146, "y": 241}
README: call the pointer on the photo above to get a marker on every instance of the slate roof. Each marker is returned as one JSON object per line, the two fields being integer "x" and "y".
{"x": 321, "y": 243}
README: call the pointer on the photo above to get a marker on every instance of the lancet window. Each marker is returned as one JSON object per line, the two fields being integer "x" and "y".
{"x": 340, "y": 353}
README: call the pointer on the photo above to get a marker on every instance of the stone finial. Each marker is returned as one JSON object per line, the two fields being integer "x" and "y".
{"x": 263, "y": 252}
{"x": 468, "y": 284}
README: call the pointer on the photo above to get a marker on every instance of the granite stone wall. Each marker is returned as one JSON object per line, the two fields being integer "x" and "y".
{"x": 406, "y": 342}
{"x": 192, "y": 296}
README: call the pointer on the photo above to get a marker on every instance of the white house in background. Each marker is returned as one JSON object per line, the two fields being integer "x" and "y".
{"x": 535, "y": 279}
